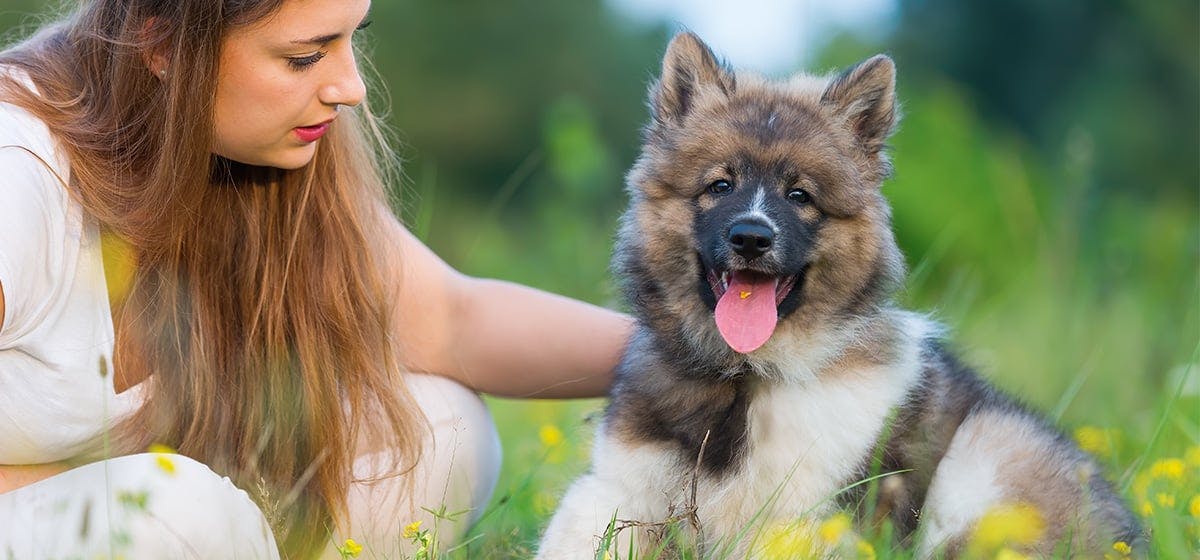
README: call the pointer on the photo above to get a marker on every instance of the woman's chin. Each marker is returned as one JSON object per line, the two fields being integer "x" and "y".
{"x": 286, "y": 159}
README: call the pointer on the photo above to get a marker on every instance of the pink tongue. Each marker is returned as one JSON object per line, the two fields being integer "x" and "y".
{"x": 746, "y": 314}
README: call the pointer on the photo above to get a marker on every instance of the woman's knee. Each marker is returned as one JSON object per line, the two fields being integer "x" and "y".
{"x": 465, "y": 448}
{"x": 170, "y": 504}
{"x": 457, "y": 473}
{"x": 138, "y": 506}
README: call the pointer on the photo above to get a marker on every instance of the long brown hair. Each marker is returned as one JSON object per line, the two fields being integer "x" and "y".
{"x": 259, "y": 311}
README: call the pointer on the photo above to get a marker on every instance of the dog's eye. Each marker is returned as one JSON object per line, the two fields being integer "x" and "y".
{"x": 799, "y": 196}
{"x": 720, "y": 186}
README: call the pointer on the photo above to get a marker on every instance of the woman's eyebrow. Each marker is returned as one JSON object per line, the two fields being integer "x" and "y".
{"x": 318, "y": 40}
{"x": 329, "y": 38}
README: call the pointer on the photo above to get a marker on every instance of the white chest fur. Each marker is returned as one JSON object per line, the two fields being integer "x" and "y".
{"x": 807, "y": 441}
{"x": 811, "y": 428}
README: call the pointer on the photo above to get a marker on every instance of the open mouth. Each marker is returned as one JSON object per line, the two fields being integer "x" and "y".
{"x": 748, "y": 305}
{"x": 781, "y": 286}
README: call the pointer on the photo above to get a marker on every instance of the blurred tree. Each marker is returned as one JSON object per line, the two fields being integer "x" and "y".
{"x": 519, "y": 118}
{"x": 471, "y": 80}
{"x": 1096, "y": 106}
{"x": 1119, "y": 77}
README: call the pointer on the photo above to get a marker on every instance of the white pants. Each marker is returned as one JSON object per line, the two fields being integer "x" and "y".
{"x": 135, "y": 507}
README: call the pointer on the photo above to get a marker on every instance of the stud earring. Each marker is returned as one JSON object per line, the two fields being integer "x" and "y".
{"x": 163, "y": 72}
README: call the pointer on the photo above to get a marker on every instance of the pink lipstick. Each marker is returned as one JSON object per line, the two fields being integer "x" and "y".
{"x": 308, "y": 134}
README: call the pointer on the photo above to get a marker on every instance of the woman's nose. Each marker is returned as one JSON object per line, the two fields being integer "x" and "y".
{"x": 345, "y": 86}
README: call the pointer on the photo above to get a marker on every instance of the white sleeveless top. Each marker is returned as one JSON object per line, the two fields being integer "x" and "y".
{"x": 57, "y": 329}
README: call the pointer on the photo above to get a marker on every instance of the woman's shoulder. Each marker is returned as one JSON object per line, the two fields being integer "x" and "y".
{"x": 22, "y": 130}
{"x": 34, "y": 168}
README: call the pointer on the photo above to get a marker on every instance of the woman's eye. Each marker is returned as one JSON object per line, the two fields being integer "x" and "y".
{"x": 720, "y": 186}
{"x": 304, "y": 62}
{"x": 799, "y": 196}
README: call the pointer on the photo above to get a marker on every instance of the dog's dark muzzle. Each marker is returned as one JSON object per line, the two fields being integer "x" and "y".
{"x": 750, "y": 239}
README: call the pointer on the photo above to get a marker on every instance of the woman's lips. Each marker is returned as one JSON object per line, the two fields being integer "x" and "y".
{"x": 308, "y": 134}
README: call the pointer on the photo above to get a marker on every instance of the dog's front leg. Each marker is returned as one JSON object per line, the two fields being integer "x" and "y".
{"x": 627, "y": 490}
{"x": 582, "y": 520}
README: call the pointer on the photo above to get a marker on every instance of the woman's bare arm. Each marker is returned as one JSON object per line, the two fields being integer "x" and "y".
{"x": 16, "y": 476}
{"x": 502, "y": 338}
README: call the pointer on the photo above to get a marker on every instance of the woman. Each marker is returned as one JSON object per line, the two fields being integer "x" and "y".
{"x": 280, "y": 320}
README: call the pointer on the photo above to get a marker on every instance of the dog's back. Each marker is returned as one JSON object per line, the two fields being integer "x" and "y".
{"x": 970, "y": 450}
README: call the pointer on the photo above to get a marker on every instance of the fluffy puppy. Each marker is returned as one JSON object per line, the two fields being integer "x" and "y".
{"x": 771, "y": 370}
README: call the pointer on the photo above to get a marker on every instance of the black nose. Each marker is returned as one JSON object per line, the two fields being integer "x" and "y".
{"x": 750, "y": 240}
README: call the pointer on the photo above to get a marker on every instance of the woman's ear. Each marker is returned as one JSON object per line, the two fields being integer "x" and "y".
{"x": 152, "y": 40}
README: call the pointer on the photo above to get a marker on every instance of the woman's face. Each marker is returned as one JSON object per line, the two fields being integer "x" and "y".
{"x": 281, "y": 80}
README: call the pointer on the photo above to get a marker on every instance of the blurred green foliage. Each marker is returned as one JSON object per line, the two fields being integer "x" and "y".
{"x": 1123, "y": 73}
{"x": 518, "y": 120}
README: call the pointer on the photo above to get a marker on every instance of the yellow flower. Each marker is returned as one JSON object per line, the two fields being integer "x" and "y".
{"x": 550, "y": 435}
{"x": 1194, "y": 506}
{"x": 1165, "y": 499}
{"x": 552, "y": 440}
{"x": 1123, "y": 548}
{"x": 1171, "y": 469}
{"x": 1010, "y": 554}
{"x": 160, "y": 448}
{"x": 1019, "y": 524}
{"x": 165, "y": 463}
{"x": 834, "y": 528}
{"x": 350, "y": 549}
{"x": 412, "y": 530}
{"x": 786, "y": 541}
{"x": 162, "y": 457}
{"x": 865, "y": 551}
{"x": 1097, "y": 441}
{"x": 1147, "y": 509}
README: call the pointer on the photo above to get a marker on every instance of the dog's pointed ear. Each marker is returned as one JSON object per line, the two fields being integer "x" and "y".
{"x": 688, "y": 68}
{"x": 864, "y": 98}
